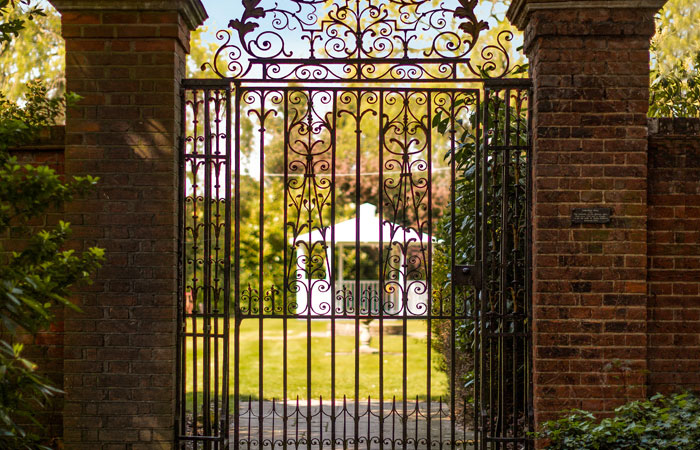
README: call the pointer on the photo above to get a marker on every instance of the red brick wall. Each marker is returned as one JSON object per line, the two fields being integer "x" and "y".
{"x": 674, "y": 255}
{"x": 48, "y": 150}
{"x": 47, "y": 349}
{"x": 590, "y": 69}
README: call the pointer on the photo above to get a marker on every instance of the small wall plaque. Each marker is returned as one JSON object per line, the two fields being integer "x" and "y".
{"x": 591, "y": 215}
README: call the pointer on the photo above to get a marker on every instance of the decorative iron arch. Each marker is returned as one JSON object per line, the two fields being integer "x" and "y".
{"x": 359, "y": 40}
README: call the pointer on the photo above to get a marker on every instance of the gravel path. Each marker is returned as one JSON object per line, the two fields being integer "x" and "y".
{"x": 421, "y": 428}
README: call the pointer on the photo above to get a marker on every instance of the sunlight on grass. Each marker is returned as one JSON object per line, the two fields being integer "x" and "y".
{"x": 318, "y": 369}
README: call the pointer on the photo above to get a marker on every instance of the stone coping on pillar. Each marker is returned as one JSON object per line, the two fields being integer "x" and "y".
{"x": 520, "y": 10}
{"x": 192, "y": 11}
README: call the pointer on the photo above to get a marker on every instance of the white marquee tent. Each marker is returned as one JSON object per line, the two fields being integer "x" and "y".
{"x": 371, "y": 232}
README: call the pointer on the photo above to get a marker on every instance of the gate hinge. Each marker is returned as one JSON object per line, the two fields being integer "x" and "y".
{"x": 467, "y": 276}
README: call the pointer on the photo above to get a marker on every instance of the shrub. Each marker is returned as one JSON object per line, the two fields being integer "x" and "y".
{"x": 676, "y": 94}
{"x": 661, "y": 423}
{"x": 35, "y": 280}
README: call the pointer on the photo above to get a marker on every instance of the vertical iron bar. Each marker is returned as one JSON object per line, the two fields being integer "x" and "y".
{"x": 477, "y": 290}
{"x": 486, "y": 277}
{"x": 227, "y": 277}
{"x": 217, "y": 274}
{"x": 464, "y": 424}
{"x": 504, "y": 260}
{"x": 440, "y": 439}
{"x": 405, "y": 180}
{"x": 249, "y": 413}
{"x": 286, "y": 287}
{"x": 195, "y": 287}
{"x": 358, "y": 294}
{"x": 494, "y": 292}
{"x": 369, "y": 422}
{"x": 517, "y": 280}
{"x": 334, "y": 275}
{"x": 206, "y": 319}
{"x": 429, "y": 264}
{"x": 261, "y": 271}
{"x": 237, "y": 271}
{"x": 393, "y": 422}
{"x": 417, "y": 414}
{"x": 495, "y": 354}
{"x": 207, "y": 278}
{"x": 453, "y": 260}
{"x": 382, "y": 274}
{"x": 296, "y": 425}
{"x": 311, "y": 281}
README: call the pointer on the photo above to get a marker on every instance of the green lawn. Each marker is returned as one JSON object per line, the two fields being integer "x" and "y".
{"x": 320, "y": 367}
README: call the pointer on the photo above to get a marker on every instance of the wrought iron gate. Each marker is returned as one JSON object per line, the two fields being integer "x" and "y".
{"x": 354, "y": 234}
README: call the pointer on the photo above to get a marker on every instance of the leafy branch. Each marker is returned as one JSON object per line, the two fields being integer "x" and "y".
{"x": 35, "y": 279}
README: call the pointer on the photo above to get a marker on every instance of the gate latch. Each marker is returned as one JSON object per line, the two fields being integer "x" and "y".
{"x": 467, "y": 276}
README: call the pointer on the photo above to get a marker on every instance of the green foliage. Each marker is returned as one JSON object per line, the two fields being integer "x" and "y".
{"x": 678, "y": 36}
{"x": 38, "y": 52}
{"x": 12, "y": 25}
{"x": 662, "y": 423}
{"x": 465, "y": 239}
{"x": 20, "y": 124}
{"x": 465, "y": 226}
{"x": 677, "y": 93}
{"x": 675, "y": 58}
{"x": 35, "y": 280}
{"x": 273, "y": 242}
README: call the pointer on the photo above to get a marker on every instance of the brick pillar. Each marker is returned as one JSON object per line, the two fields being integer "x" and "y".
{"x": 126, "y": 59}
{"x": 590, "y": 68}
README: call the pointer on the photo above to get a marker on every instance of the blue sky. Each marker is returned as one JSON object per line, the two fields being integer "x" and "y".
{"x": 221, "y": 11}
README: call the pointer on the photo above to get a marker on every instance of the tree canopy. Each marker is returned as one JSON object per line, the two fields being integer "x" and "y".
{"x": 36, "y": 52}
{"x": 675, "y": 58}
{"x": 677, "y": 38}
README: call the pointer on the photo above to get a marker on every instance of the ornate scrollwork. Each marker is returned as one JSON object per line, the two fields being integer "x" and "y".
{"x": 352, "y": 40}
{"x": 244, "y": 25}
{"x": 405, "y": 143}
{"x": 308, "y": 196}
